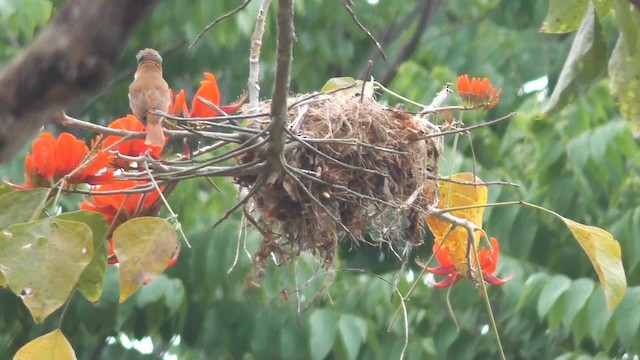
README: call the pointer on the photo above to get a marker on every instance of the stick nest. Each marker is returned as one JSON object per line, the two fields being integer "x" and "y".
{"x": 374, "y": 183}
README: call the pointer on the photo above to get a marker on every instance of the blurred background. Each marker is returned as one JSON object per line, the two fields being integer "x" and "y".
{"x": 582, "y": 162}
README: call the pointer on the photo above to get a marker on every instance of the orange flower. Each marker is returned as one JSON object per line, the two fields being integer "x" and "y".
{"x": 209, "y": 91}
{"x": 478, "y": 92}
{"x": 134, "y": 147}
{"x": 132, "y": 205}
{"x": 125, "y": 206}
{"x": 50, "y": 160}
{"x": 179, "y": 105}
{"x": 455, "y": 271}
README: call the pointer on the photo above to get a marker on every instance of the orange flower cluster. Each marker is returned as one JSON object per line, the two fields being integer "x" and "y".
{"x": 455, "y": 270}
{"x": 478, "y": 92}
{"x": 51, "y": 160}
{"x": 209, "y": 91}
{"x": 67, "y": 157}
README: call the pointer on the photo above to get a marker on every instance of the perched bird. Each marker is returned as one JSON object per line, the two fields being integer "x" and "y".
{"x": 149, "y": 92}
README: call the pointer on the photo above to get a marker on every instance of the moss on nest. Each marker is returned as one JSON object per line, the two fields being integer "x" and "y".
{"x": 376, "y": 177}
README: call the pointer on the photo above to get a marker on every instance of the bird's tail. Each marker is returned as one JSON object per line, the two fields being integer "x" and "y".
{"x": 155, "y": 136}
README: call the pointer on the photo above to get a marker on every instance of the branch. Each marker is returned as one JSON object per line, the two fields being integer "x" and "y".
{"x": 214, "y": 22}
{"x": 254, "y": 57}
{"x": 72, "y": 56}
{"x": 426, "y": 9}
{"x": 280, "y": 93}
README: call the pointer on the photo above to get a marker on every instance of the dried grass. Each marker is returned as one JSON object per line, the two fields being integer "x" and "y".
{"x": 380, "y": 195}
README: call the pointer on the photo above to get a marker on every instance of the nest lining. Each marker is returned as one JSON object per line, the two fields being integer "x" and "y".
{"x": 377, "y": 177}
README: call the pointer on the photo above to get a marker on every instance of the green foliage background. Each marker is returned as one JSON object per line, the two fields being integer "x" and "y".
{"x": 579, "y": 160}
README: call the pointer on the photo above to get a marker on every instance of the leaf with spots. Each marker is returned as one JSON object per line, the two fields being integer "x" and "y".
{"x": 51, "y": 346}
{"x": 585, "y": 63}
{"x": 92, "y": 278}
{"x": 624, "y": 70}
{"x": 19, "y": 206}
{"x": 564, "y": 16}
{"x": 143, "y": 247}
{"x": 42, "y": 261}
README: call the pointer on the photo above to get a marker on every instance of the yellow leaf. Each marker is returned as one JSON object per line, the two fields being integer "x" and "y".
{"x": 143, "y": 247}
{"x": 458, "y": 191}
{"x": 603, "y": 252}
{"x": 52, "y": 346}
{"x": 605, "y": 255}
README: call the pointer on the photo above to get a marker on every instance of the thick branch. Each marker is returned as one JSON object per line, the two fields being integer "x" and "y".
{"x": 280, "y": 93}
{"x": 71, "y": 57}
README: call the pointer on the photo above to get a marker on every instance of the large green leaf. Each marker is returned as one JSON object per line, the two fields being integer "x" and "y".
{"x": 627, "y": 318}
{"x": 624, "y": 71}
{"x": 575, "y": 299}
{"x": 51, "y": 346}
{"x": 322, "y": 334}
{"x": 585, "y": 62}
{"x": 144, "y": 247}
{"x": 551, "y": 291}
{"x": 92, "y": 278}
{"x": 20, "y": 205}
{"x": 353, "y": 331}
{"x": 564, "y": 16}
{"x": 42, "y": 261}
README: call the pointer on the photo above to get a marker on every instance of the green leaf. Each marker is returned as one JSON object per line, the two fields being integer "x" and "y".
{"x": 575, "y": 298}
{"x": 92, "y": 279}
{"x": 174, "y": 296}
{"x": 564, "y": 16}
{"x": 599, "y": 318}
{"x": 51, "y": 346}
{"x": 42, "y": 261}
{"x": 627, "y": 317}
{"x": 603, "y": 7}
{"x": 19, "y": 206}
{"x": 585, "y": 63}
{"x": 322, "y": 333}
{"x": 628, "y": 21}
{"x": 551, "y": 291}
{"x": 152, "y": 292}
{"x": 143, "y": 247}
{"x": 351, "y": 86}
{"x": 624, "y": 73}
{"x": 532, "y": 288}
{"x": 353, "y": 331}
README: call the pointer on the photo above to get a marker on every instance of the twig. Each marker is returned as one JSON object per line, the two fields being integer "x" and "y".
{"x": 217, "y": 20}
{"x": 69, "y": 121}
{"x": 323, "y": 155}
{"x": 347, "y": 5}
{"x": 486, "y": 183}
{"x": 472, "y": 127}
{"x": 260, "y": 181}
{"x": 166, "y": 203}
{"x": 254, "y": 57}
{"x": 316, "y": 201}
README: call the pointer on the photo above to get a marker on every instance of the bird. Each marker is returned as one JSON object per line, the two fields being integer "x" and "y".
{"x": 150, "y": 92}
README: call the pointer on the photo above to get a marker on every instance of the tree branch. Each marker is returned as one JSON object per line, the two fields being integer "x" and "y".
{"x": 72, "y": 56}
{"x": 280, "y": 93}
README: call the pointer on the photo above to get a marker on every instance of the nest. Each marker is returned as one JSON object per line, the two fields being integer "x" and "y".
{"x": 368, "y": 174}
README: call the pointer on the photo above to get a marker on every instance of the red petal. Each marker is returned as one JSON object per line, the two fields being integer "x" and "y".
{"x": 442, "y": 270}
{"x": 494, "y": 280}
{"x": 448, "y": 282}
{"x": 208, "y": 90}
